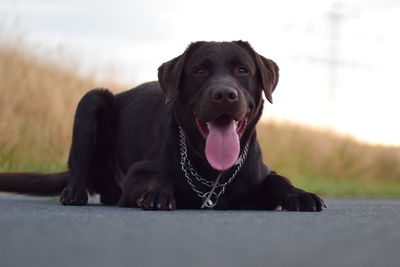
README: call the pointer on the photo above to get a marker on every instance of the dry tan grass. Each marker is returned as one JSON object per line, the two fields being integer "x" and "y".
{"x": 37, "y": 103}
{"x": 305, "y": 151}
{"x": 38, "y": 98}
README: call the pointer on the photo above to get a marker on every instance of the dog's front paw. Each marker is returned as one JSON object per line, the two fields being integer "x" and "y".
{"x": 153, "y": 200}
{"x": 156, "y": 201}
{"x": 299, "y": 200}
{"x": 75, "y": 196}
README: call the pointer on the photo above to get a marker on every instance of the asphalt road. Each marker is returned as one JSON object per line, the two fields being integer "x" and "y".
{"x": 41, "y": 232}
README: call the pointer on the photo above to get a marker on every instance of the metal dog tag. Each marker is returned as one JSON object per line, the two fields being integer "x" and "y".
{"x": 209, "y": 204}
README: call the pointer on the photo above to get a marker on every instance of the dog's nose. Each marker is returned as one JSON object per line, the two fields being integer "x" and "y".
{"x": 224, "y": 95}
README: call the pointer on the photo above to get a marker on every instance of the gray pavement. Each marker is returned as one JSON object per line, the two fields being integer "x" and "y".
{"x": 41, "y": 232}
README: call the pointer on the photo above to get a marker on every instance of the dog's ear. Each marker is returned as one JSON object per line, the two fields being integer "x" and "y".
{"x": 268, "y": 70}
{"x": 169, "y": 76}
{"x": 170, "y": 73}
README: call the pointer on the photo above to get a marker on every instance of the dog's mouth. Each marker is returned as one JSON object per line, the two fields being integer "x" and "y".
{"x": 222, "y": 140}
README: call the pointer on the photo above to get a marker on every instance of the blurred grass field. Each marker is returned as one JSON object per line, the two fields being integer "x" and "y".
{"x": 331, "y": 164}
{"x": 38, "y": 97}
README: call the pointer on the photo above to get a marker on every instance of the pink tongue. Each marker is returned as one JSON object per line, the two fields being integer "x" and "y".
{"x": 222, "y": 145}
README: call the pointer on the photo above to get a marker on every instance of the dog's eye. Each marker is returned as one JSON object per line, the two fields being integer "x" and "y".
{"x": 242, "y": 71}
{"x": 200, "y": 72}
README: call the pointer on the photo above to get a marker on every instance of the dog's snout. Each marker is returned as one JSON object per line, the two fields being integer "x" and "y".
{"x": 224, "y": 95}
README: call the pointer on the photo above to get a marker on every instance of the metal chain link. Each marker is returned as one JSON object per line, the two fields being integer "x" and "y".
{"x": 188, "y": 170}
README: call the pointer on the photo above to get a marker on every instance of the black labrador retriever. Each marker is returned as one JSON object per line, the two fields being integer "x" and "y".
{"x": 186, "y": 142}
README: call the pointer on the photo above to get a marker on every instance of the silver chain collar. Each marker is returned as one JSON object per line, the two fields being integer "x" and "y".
{"x": 210, "y": 197}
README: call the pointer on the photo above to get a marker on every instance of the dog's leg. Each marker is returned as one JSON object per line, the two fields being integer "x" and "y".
{"x": 277, "y": 192}
{"x": 90, "y": 158}
{"x": 290, "y": 198}
{"x": 145, "y": 188}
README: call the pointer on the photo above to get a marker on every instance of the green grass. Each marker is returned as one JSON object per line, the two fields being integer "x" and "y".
{"x": 349, "y": 188}
{"x": 15, "y": 161}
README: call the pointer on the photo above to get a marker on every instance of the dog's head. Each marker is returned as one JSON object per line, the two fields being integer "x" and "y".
{"x": 218, "y": 87}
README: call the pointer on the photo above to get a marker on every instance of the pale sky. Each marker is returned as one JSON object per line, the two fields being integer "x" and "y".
{"x": 132, "y": 38}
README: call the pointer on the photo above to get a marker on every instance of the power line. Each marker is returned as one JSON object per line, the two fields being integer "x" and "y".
{"x": 333, "y": 59}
